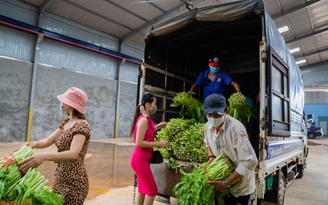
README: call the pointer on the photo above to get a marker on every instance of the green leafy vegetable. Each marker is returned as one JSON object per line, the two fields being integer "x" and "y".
{"x": 186, "y": 141}
{"x": 194, "y": 189}
{"x": 239, "y": 109}
{"x": 192, "y": 108}
{"x": 26, "y": 187}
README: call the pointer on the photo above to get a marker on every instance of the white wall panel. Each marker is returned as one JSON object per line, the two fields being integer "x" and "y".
{"x": 129, "y": 72}
{"x": 316, "y": 98}
{"x": 76, "y": 59}
{"x": 71, "y": 29}
{"x": 316, "y": 76}
{"x": 16, "y": 44}
{"x": 132, "y": 50}
{"x": 19, "y": 10}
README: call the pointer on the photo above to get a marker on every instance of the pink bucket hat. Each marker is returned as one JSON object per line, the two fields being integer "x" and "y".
{"x": 75, "y": 98}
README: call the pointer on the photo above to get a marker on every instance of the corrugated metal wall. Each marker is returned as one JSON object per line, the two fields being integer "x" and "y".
{"x": 315, "y": 76}
{"x": 316, "y": 98}
{"x": 60, "y": 66}
{"x": 19, "y": 10}
{"x": 76, "y": 59}
{"x": 68, "y": 28}
{"x": 16, "y": 44}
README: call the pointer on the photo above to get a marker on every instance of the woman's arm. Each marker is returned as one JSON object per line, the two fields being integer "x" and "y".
{"x": 44, "y": 142}
{"x": 71, "y": 154}
{"x": 140, "y": 136}
{"x": 160, "y": 125}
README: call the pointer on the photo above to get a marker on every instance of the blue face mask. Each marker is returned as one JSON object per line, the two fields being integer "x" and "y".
{"x": 214, "y": 69}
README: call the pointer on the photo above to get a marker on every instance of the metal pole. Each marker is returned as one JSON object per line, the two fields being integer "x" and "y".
{"x": 118, "y": 94}
{"x": 34, "y": 73}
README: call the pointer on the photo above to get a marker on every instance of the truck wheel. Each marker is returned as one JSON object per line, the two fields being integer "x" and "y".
{"x": 277, "y": 193}
{"x": 281, "y": 189}
{"x": 300, "y": 171}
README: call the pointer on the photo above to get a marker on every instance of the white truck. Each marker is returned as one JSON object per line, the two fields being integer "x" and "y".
{"x": 254, "y": 54}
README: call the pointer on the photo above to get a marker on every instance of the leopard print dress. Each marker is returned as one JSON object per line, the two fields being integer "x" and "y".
{"x": 71, "y": 179}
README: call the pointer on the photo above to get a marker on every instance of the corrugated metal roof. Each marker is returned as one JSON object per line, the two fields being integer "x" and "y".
{"x": 307, "y": 20}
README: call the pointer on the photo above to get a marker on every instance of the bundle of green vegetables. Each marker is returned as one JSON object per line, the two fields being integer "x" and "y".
{"x": 194, "y": 189}
{"x": 24, "y": 188}
{"x": 186, "y": 141}
{"x": 192, "y": 108}
{"x": 239, "y": 109}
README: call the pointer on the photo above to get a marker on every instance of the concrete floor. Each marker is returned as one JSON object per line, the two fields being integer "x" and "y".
{"x": 111, "y": 178}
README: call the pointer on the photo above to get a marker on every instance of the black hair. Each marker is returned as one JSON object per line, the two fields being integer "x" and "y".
{"x": 146, "y": 98}
{"x": 79, "y": 115}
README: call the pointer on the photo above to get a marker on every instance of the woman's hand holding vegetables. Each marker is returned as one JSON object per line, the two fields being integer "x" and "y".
{"x": 30, "y": 144}
{"x": 32, "y": 161}
{"x": 163, "y": 144}
{"x": 219, "y": 185}
{"x": 160, "y": 125}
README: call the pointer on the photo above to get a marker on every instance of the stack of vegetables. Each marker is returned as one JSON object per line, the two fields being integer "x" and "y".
{"x": 239, "y": 109}
{"x": 194, "y": 189}
{"x": 185, "y": 134}
{"x": 24, "y": 188}
{"x": 186, "y": 141}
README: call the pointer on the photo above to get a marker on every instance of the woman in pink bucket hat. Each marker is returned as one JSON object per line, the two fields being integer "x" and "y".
{"x": 72, "y": 140}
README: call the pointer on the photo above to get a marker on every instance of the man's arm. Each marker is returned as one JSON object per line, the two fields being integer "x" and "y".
{"x": 192, "y": 88}
{"x": 237, "y": 88}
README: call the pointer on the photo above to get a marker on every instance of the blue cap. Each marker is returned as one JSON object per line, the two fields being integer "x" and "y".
{"x": 215, "y": 104}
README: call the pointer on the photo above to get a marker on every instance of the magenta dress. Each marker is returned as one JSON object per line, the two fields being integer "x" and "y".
{"x": 140, "y": 161}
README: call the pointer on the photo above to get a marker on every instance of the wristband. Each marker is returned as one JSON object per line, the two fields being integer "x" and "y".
{"x": 212, "y": 156}
{"x": 226, "y": 185}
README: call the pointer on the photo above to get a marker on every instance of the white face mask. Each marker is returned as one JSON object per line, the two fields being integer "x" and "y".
{"x": 215, "y": 122}
{"x": 62, "y": 109}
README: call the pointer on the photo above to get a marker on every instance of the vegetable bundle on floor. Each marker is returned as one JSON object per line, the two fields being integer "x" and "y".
{"x": 24, "y": 188}
{"x": 194, "y": 189}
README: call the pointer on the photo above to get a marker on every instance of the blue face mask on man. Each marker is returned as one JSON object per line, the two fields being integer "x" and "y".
{"x": 214, "y": 69}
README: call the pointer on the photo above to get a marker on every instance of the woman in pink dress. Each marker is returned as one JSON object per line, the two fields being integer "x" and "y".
{"x": 143, "y": 130}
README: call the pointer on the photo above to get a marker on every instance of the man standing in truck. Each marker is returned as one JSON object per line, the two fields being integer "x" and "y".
{"x": 226, "y": 135}
{"x": 213, "y": 80}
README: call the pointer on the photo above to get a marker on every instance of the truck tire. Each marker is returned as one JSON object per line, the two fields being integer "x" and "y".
{"x": 277, "y": 194}
{"x": 281, "y": 189}
{"x": 300, "y": 171}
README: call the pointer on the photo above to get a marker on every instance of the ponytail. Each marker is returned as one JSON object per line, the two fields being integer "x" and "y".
{"x": 135, "y": 117}
{"x": 146, "y": 98}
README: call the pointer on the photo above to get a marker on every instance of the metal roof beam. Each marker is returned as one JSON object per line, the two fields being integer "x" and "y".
{"x": 312, "y": 53}
{"x": 146, "y": 25}
{"x": 313, "y": 65}
{"x": 96, "y": 14}
{"x": 320, "y": 84}
{"x": 124, "y": 9}
{"x": 46, "y": 5}
{"x": 296, "y": 8}
{"x": 307, "y": 35}
{"x": 149, "y": 2}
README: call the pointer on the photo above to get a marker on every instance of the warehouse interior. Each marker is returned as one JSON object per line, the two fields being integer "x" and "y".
{"x": 99, "y": 46}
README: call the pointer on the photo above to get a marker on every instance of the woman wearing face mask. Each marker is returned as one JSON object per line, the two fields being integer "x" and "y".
{"x": 143, "y": 131}
{"x": 226, "y": 135}
{"x": 213, "y": 80}
{"x": 72, "y": 140}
